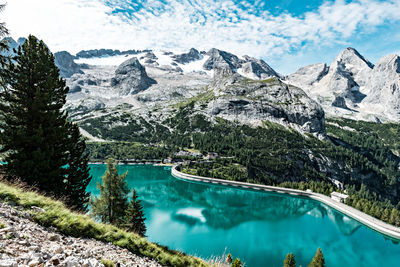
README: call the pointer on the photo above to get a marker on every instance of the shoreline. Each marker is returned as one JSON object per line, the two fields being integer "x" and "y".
{"x": 365, "y": 219}
{"x": 132, "y": 163}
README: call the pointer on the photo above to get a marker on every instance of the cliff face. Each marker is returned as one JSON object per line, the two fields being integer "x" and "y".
{"x": 25, "y": 243}
{"x": 353, "y": 87}
{"x": 252, "y": 102}
{"x": 244, "y": 89}
{"x": 152, "y": 82}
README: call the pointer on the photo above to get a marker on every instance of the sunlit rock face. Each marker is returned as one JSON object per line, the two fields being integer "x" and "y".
{"x": 65, "y": 62}
{"x": 353, "y": 87}
{"x": 237, "y": 88}
{"x": 131, "y": 78}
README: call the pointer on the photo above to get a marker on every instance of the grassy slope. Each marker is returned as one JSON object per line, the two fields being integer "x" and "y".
{"x": 78, "y": 225}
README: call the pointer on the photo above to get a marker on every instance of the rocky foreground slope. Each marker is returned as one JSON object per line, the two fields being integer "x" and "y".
{"x": 25, "y": 243}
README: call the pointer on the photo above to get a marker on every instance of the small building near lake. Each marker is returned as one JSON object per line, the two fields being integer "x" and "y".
{"x": 339, "y": 197}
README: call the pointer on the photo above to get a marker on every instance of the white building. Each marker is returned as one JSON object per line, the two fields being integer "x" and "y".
{"x": 339, "y": 197}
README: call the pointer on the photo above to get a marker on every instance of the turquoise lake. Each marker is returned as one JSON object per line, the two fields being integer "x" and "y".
{"x": 259, "y": 228}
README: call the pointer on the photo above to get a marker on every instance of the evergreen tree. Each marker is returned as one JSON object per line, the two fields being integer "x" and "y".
{"x": 78, "y": 170}
{"x": 112, "y": 204}
{"x": 229, "y": 258}
{"x": 289, "y": 261}
{"x": 41, "y": 147}
{"x": 236, "y": 263}
{"x": 134, "y": 217}
{"x": 318, "y": 260}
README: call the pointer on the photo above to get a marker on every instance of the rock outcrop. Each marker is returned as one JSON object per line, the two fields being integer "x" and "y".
{"x": 65, "y": 62}
{"x": 307, "y": 76}
{"x": 12, "y": 44}
{"x": 25, "y": 243}
{"x": 131, "y": 78}
{"x": 220, "y": 59}
{"x": 105, "y": 52}
{"x": 383, "y": 87}
{"x": 353, "y": 87}
{"x": 185, "y": 58}
{"x": 252, "y": 102}
{"x": 347, "y": 73}
{"x": 257, "y": 69}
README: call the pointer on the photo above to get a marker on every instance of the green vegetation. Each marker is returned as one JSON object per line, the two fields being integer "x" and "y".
{"x": 236, "y": 263}
{"x": 134, "y": 217}
{"x": 315, "y": 186}
{"x": 318, "y": 260}
{"x": 41, "y": 147}
{"x": 127, "y": 150}
{"x": 78, "y": 225}
{"x": 202, "y": 99}
{"x": 273, "y": 155}
{"x": 124, "y": 127}
{"x": 380, "y": 144}
{"x": 220, "y": 168}
{"x": 289, "y": 261}
{"x": 366, "y": 161}
{"x": 107, "y": 263}
{"x": 229, "y": 258}
{"x": 112, "y": 206}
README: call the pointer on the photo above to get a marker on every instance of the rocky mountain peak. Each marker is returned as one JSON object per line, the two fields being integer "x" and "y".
{"x": 257, "y": 68}
{"x": 351, "y": 56}
{"x": 21, "y": 40}
{"x": 185, "y": 58}
{"x": 12, "y": 44}
{"x": 389, "y": 63}
{"x": 131, "y": 77}
{"x": 352, "y": 62}
{"x": 218, "y": 58}
{"x": 307, "y": 76}
{"x": 65, "y": 62}
{"x": 383, "y": 87}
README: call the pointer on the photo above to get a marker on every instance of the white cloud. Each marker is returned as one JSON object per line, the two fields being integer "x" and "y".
{"x": 241, "y": 28}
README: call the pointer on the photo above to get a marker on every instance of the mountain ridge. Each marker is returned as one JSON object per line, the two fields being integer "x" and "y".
{"x": 348, "y": 87}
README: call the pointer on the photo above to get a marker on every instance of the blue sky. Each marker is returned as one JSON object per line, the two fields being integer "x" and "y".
{"x": 287, "y": 34}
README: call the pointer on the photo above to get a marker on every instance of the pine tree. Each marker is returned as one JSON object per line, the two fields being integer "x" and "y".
{"x": 229, "y": 258}
{"x": 289, "y": 261}
{"x": 134, "y": 217}
{"x": 236, "y": 263}
{"x": 32, "y": 120}
{"x": 41, "y": 147}
{"x": 112, "y": 204}
{"x": 78, "y": 170}
{"x": 318, "y": 260}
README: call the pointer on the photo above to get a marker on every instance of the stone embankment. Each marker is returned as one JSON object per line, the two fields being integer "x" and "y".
{"x": 371, "y": 222}
{"x": 25, "y": 243}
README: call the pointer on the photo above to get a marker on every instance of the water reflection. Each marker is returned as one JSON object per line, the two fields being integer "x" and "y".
{"x": 260, "y": 227}
{"x": 223, "y": 207}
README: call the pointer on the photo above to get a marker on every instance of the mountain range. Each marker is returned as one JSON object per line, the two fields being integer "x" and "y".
{"x": 148, "y": 86}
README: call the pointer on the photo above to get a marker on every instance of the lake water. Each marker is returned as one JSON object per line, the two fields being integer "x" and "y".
{"x": 258, "y": 227}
